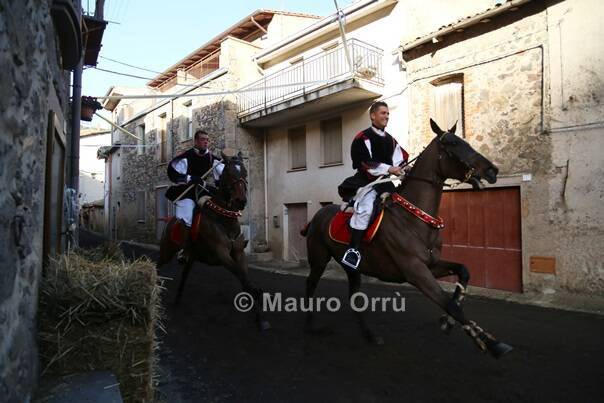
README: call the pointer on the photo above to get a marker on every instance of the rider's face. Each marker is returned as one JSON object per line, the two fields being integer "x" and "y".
{"x": 380, "y": 117}
{"x": 202, "y": 142}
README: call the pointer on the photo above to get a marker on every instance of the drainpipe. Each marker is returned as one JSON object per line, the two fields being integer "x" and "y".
{"x": 265, "y": 188}
{"x": 76, "y": 106}
{"x": 74, "y": 167}
{"x": 260, "y": 27}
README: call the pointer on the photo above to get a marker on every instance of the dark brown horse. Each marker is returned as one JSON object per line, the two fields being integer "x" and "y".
{"x": 218, "y": 240}
{"x": 406, "y": 248}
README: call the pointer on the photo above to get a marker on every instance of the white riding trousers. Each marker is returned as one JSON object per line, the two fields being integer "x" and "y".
{"x": 184, "y": 210}
{"x": 363, "y": 208}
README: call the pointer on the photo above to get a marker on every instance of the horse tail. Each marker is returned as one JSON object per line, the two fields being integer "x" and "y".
{"x": 304, "y": 230}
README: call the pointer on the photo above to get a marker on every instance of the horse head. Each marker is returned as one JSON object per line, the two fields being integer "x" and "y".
{"x": 233, "y": 181}
{"x": 460, "y": 161}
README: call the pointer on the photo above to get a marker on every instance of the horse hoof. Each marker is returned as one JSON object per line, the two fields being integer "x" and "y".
{"x": 264, "y": 325}
{"x": 499, "y": 349}
{"x": 446, "y": 323}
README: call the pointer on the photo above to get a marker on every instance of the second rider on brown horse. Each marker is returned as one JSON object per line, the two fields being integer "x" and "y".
{"x": 374, "y": 153}
{"x": 188, "y": 171}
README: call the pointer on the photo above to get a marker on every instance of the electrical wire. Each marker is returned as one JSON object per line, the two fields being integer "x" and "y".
{"x": 213, "y": 93}
{"x": 140, "y": 77}
{"x": 130, "y": 65}
{"x": 121, "y": 74}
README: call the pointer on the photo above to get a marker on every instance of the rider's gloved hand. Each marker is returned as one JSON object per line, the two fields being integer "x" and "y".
{"x": 197, "y": 180}
{"x": 395, "y": 170}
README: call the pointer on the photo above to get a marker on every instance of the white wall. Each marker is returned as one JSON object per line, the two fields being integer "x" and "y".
{"x": 92, "y": 170}
{"x": 314, "y": 184}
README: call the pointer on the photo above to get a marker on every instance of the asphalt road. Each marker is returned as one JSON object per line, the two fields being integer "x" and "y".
{"x": 213, "y": 353}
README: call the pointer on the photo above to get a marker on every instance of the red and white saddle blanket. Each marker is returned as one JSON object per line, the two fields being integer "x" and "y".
{"x": 339, "y": 230}
{"x": 177, "y": 230}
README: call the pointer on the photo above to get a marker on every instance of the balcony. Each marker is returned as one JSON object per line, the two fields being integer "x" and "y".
{"x": 319, "y": 83}
{"x": 202, "y": 68}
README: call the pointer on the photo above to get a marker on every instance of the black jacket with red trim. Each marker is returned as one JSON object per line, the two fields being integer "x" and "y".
{"x": 184, "y": 166}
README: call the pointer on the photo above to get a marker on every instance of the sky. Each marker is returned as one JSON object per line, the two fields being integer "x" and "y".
{"x": 155, "y": 34}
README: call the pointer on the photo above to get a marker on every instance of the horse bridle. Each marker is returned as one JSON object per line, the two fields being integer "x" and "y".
{"x": 230, "y": 185}
{"x": 438, "y": 181}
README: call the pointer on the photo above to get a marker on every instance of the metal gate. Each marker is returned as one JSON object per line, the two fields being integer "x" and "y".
{"x": 482, "y": 231}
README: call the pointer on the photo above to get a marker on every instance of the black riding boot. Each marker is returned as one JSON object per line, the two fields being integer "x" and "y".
{"x": 352, "y": 256}
{"x": 183, "y": 254}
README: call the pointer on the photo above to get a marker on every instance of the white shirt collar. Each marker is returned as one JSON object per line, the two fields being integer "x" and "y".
{"x": 379, "y": 132}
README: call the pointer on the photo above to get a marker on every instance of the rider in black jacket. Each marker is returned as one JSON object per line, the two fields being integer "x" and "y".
{"x": 189, "y": 168}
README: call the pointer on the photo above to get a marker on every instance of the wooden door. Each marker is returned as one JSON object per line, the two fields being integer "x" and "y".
{"x": 482, "y": 231}
{"x": 297, "y": 217}
{"x": 54, "y": 187}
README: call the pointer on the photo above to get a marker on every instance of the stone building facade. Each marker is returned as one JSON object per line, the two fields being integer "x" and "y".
{"x": 193, "y": 94}
{"x": 34, "y": 105}
{"x": 531, "y": 79}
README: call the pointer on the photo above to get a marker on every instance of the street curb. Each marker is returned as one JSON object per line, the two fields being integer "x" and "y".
{"x": 560, "y": 301}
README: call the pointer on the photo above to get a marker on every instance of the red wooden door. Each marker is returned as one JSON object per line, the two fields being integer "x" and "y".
{"x": 482, "y": 231}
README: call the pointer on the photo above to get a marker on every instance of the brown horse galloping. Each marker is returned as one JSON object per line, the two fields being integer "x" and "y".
{"x": 407, "y": 249}
{"x": 219, "y": 240}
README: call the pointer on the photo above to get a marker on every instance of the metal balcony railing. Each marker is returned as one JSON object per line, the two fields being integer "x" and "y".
{"x": 310, "y": 74}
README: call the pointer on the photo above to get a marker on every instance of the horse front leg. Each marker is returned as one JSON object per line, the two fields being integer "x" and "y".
{"x": 183, "y": 279}
{"x": 444, "y": 268}
{"x": 354, "y": 286}
{"x": 236, "y": 263}
{"x": 421, "y": 277}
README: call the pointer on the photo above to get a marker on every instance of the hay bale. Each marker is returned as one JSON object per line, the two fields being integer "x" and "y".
{"x": 100, "y": 313}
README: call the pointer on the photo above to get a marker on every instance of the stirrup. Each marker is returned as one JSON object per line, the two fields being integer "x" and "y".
{"x": 351, "y": 258}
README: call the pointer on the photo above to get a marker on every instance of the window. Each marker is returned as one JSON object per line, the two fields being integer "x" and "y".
{"x": 141, "y": 141}
{"x": 163, "y": 210}
{"x": 297, "y": 147}
{"x": 331, "y": 141}
{"x": 447, "y": 103}
{"x": 162, "y": 139}
{"x": 189, "y": 115}
{"x": 117, "y": 159}
{"x": 141, "y": 206}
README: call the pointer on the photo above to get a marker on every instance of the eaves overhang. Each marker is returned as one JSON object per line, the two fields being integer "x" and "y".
{"x": 483, "y": 17}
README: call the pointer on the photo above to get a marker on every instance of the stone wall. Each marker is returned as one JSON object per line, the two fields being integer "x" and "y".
{"x": 32, "y": 84}
{"x": 510, "y": 93}
{"x": 217, "y": 115}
